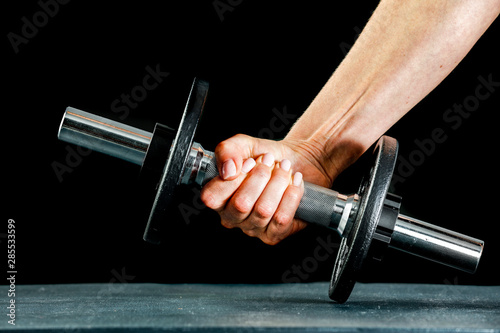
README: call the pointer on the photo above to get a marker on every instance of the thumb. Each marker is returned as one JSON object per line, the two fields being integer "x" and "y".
{"x": 231, "y": 153}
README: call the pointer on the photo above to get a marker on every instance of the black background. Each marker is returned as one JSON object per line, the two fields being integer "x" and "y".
{"x": 258, "y": 57}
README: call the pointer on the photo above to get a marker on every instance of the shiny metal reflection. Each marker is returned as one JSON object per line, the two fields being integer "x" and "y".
{"x": 437, "y": 244}
{"x": 104, "y": 135}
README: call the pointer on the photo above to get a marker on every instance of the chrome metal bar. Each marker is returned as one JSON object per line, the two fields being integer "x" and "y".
{"x": 437, "y": 244}
{"x": 104, "y": 135}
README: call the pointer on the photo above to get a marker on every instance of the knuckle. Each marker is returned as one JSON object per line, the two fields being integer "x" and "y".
{"x": 240, "y": 137}
{"x": 282, "y": 219}
{"x": 264, "y": 210}
{"x": 271, "y": 240}
{"x": 226, "y": 224}
{"x": 251, "y": 232}
{"x": 209, "y": 198}
{"x": 222, "y": 146}
{"x": 242, "y": 204}
{"x": 229, "y": 143}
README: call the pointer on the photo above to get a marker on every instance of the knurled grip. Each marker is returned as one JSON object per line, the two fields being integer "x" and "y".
{"x": 319, "y": 205}
{"x": 211, "y": 170}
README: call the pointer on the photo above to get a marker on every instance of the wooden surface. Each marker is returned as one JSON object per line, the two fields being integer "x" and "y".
{"x": 270, "y": 308}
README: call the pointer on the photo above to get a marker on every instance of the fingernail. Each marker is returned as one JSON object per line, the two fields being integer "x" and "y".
{"x": 228, "y": 169}
{"x": 285, "y": 165}
{"x": 268, "y": 159}
{"x": 297, "y": 179}
{"x": 248, "y": 165}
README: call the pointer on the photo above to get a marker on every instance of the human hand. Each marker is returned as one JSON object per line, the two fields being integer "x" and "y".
{"x": 261, "y": 184}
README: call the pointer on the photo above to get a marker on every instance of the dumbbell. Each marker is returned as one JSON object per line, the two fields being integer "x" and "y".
{"x": 368, "y": 221}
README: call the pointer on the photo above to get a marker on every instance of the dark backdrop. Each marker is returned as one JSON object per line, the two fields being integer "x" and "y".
{"x": 262, "y": 59}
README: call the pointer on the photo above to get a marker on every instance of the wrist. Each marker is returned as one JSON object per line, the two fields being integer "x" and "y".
{"x": 336, "y": 129}
{"x": 331, "y": 154}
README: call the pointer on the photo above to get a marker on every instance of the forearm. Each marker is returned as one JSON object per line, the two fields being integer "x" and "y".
{"x": 406, "y": 49}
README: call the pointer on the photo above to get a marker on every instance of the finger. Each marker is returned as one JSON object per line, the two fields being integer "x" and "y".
{"x": 242, "y": 202}
{"x": 283, "y": 223}
{"x": 231, "y": 153}
{"x": 216, "y": 193}
{"x": 268, "y": 202}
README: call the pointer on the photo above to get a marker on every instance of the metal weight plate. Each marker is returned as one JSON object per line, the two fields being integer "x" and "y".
{"x": 355, "y": 246}
{"x": 177, "y": 157}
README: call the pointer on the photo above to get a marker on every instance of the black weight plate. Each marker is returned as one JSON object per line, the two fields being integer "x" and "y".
{"x": 172, "y": 172}
{"x": 155, "y": 160}
{"x": 355, "y": 246}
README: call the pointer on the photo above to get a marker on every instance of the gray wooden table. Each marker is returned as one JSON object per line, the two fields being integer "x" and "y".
{"x": 263, "y": 308}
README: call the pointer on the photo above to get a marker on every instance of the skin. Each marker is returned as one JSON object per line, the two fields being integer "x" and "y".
{"x": 412, "y": 46}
